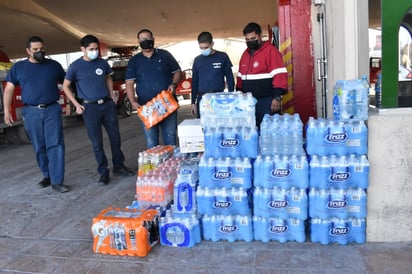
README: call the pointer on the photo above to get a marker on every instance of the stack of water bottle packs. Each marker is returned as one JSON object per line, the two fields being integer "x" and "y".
{"x": 281, "y": 175}
{"x": 224, "y": 195}
{"x": 339, "y": 168}
{"x": 180, "y": 226}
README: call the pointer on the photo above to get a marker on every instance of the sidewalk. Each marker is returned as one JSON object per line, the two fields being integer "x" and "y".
{"x": 45, "y": 232}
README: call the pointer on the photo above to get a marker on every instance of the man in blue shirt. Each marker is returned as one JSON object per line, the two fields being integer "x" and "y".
{"x": 153, "y": 70}
{"x": 209, "y": 71}
{"x": 92, "y": 76}
{"x": 38, "y": 78}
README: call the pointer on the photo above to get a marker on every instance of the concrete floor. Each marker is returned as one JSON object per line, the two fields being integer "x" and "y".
{"x": 45, "y": 232}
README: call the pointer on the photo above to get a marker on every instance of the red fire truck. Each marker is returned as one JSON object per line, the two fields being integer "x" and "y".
{"x": 16, "y": 133}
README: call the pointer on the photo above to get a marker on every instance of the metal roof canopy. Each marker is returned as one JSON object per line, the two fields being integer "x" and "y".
{"x": 62, "y": 23}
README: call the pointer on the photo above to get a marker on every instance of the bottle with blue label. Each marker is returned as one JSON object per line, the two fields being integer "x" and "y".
{"x": 282, "y": 230}
{"x": 249, "y": 142}
{"x": 339, "y": 203}
{"x": 212, "y": 139}
{"x": 341, "y": 231}
{"x": 179, "y": 232}
{"x": 351, "y": 100}
{"x": 223, "y": 201}
{"x": 230, "y": 228}
{"x": 282, "y": 171}
{"x": 184, "y": 195}
{"x": 359, "y": 170}
{"x": 280, "y": 203}
{"x": 339, "y": 172}
{"x": 357, "y": 141}
{"x": 336, "y": 92}
{"x": 225, "y": 172}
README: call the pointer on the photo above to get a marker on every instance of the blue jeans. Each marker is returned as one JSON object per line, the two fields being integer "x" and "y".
{"x": 95, "y": 116}
{"x": 45, "y": 130}
{"x": 169, "y": 132}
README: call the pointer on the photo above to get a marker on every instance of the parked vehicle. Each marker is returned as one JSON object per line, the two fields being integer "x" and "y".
{"x": 16, "y": 134}
{"x": 184, "y": 87}
{"x": 119, "y": 87}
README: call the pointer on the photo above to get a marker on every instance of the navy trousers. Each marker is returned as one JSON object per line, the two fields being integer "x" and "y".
{"x": 45, "y": 130}
{"x": 95, "y": 116}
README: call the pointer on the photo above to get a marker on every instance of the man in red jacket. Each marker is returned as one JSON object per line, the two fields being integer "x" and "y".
{"x": 262, "y": 72}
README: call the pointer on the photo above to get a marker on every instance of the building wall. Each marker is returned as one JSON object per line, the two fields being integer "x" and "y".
{"x": 390, "y": 185}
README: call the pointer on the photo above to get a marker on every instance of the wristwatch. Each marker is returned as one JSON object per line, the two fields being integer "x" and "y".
{"x": 278, "y": 98}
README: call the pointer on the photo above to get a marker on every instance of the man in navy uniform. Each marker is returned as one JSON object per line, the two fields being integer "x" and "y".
{"x": 38, "y": 78}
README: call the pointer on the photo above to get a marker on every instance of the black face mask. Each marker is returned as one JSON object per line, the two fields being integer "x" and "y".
{"x": 147, "y": 44}
{"x": 253, "y": 45}
{"x": 39, "y": 56}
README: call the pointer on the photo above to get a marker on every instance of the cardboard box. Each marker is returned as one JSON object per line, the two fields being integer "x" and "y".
{"x": 191, "y": 138}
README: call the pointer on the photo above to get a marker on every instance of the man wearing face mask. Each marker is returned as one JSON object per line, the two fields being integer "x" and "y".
{"x": 38, "y": 78}
{"x": 153, "y": 70}
{"x": 262, "y": 72}
{"x": 92, "y": 76}
{"x": 209, "y": 71}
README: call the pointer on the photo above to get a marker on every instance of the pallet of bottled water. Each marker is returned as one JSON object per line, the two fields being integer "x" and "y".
{"x": 281, "y": 171}
{"x": 224, "y": 201}
{"x": 179, "y": 231}
{"x": 278, "y": 229}
{"x": 351, "y": 100}
{"x": 335, "y": 230}
{"x": 225, "y": 172}
{"x": 230, "y": 140}
{"x": 218, "y": 108}
{"x": 339, "y": 171}
{"x": 339, "y": 203}
{"x": 280, "y": 203}
{"x": 327, "y": 137}
{"x": 281, "y": 134}
{"x": 230, "y": 228}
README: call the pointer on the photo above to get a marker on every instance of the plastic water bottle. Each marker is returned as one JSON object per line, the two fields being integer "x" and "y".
{"x": 249, "y": 142}
{"x": 359, "y": 166}
{"x": 365, "y": 98}
{"x": 258, "y": 171}
{"x": 357, "y": 141}
{"x": 337, "y": 90}
{"x": 311, "y": 129}
{"x": 339, "y": 231}
{"x": 378, "y": 91}
{"x": 278, "y": 229}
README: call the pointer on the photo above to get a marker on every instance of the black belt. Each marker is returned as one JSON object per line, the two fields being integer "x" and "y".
{"x": 99, "y": 102}
{"x": 201, "y": 93}
{"x": 41, "y": 106}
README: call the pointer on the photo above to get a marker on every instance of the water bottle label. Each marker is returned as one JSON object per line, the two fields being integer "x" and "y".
{"x": 353, "y": 143}
{"x": 280, "y": 172}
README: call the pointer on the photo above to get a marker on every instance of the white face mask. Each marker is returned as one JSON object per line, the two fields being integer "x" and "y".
{"x": 92, "y": 54}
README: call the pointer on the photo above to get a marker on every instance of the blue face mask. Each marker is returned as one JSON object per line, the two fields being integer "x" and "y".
{"x": 92, "y": 54}
{"x": 205, "y": 52}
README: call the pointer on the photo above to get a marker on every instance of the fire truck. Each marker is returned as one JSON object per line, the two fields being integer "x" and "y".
{"x": 16, "y": 134}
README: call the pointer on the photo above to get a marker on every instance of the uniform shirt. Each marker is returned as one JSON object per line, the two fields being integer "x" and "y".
{"x": 38, "y": 81}
{"x": 208, "y": 74}
{"x": 152, "y": 75}
{"x": 262, "y": 72}
{"x": 90, "y": 78}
